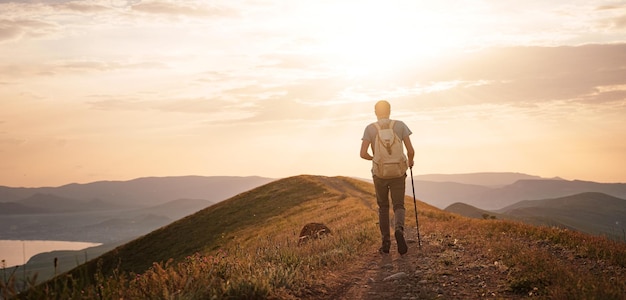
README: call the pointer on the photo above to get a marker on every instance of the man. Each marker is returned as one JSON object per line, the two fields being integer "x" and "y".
{"x": 388, "y": 183}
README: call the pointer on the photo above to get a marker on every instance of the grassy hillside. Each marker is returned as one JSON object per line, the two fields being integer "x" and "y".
{"x": 246, "y": 248}
{"x": 257, "y": 223}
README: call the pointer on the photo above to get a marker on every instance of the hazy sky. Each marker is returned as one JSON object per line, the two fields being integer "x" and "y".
{"x": 120, "y": 89}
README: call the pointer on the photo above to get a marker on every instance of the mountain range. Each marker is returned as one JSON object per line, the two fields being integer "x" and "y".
{"x": 108, "y": 211}
{"x": 142, "y": 192}
{"x": 502, "y": 190}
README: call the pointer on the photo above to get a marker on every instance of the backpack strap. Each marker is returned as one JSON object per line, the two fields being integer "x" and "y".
{"x": 378, "y": 139}
{"x": 387, "y": 126}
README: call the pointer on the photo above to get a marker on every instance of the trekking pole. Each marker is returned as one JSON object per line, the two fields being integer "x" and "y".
{"x": 417, "y": 226}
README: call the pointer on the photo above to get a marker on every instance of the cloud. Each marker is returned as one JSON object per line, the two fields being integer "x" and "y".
{"x": 608, "y": 7}
{"x": 174, "y": 114}
{"x": 82, "y": 7}
{"x": 12, "y": 141}
{"x": 73, "y": 67}
{"x": 606, "y": 95}
{"x": 11, "y": 30}
{"x": 527, "y": 74}
{"x": 33, "y": 1}
{"x": 616, "y": 18}
{"x": 519, "y": 77}
{"x": 619, "y": 22}
{"x": 229, "y": 110}
{"x": 110, "y": 104}
{"x": 38, "y": 19}
{"x": 291, "y": 61}
{"x": 245, "y": 105}
{"x": 181, "y": 8}
{"x": 87, "y": 65}
{"x": 177, "y": 105}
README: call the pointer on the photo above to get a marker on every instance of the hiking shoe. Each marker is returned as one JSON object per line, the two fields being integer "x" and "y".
{"x": 402, "y": 247}
{"x": 385, "y": 248}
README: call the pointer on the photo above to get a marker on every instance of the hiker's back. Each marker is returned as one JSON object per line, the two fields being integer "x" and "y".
{"x": 389, "y": 159}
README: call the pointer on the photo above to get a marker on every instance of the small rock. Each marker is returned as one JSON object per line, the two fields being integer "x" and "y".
{"x": 396, "y": 276}
{"x": 502, "y": 267}
{"x": 312, "y": 231}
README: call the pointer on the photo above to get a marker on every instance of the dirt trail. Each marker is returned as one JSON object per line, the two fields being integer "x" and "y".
{"x": 442, "y": 268}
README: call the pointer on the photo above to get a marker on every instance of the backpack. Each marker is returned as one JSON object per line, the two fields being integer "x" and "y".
{"x": 389, "y": 160}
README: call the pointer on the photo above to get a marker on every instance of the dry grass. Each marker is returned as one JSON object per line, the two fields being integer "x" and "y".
{"x": 541, "y": 262}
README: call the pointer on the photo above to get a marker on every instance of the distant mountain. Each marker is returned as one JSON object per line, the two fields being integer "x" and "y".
{"x": 110, "y": 224}
{"x": 593, "y": 213}
{"x": 49, "y": 201}
{"x": 442, "y": 190}
{"x": 90, "y": 212}
{"x": 472, "y": 212}
{"x": 176, "y": 209}
{"x": 144, "y": 192}
{"x": 9, "y": 194}
{"x": 16, "y": 208}
{"x": 103, "y": 226}
{"x": 443, "y": 194}
{"x": 487, "y": 179}
{"x": 489, "y": 191}
{"x": 126, "y": 228}
{"x": 54, "y": 203}
{"x": 583, "y": 201}
{"x": 542, "y": 189}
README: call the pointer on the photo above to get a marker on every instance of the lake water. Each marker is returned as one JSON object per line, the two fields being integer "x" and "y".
{"x": 18, "y": 252}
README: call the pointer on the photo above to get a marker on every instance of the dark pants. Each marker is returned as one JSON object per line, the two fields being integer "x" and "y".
{"x": 385, "y": 187}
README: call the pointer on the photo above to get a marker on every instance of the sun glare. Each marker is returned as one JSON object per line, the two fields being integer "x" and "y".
{"x": 368, "y": 37}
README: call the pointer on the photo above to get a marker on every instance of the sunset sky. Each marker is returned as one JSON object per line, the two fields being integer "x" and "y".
{"x": 120, "y": 89}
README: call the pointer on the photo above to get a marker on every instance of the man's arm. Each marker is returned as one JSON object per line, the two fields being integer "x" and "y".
{"x": 364, "y": 148}
{"x": 410, "y": 152}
